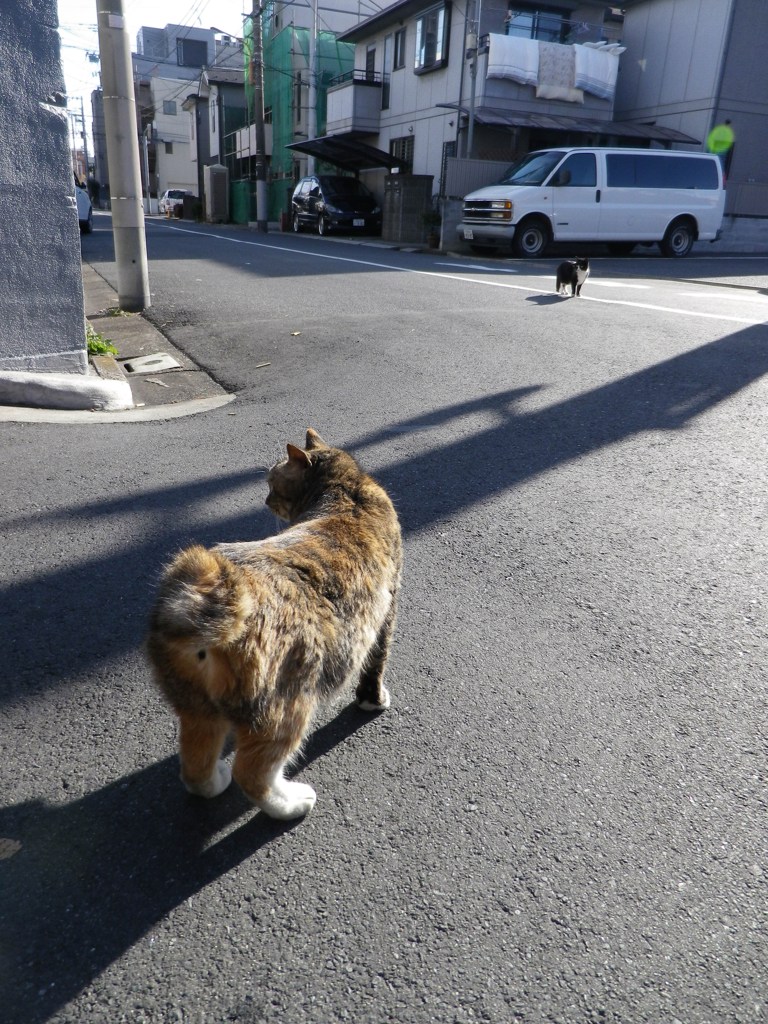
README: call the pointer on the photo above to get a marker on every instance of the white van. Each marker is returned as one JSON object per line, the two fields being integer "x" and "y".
{"x": 618, "y": 196}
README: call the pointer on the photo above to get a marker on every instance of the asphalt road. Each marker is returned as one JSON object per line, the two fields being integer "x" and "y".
{"x": 562, "y": 817}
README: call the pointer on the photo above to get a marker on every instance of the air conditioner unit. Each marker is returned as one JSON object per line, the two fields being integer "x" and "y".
{"x": 216, "y": 183}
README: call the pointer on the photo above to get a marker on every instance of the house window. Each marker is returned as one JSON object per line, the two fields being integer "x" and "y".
{"x": 449, "y": 150}
{"x": 548, "y": 24}
{"x": 402, "y": 150}
{"x": 191, "y": 53}
{"x": 398, "y": 59}
{"x": 169, "y": 107}
{"x": 432, "y": 30}
{"x": 370, "y": 64}
{"x": 168, "y": 148}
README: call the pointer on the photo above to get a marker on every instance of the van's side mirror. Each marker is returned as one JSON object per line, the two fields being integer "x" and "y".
{"x": 563, "y": 177}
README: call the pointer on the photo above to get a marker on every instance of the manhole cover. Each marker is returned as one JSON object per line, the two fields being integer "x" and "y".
{"x": 151, "y": 364}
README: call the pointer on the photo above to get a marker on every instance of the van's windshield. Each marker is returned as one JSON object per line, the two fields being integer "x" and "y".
{"x": 533, "y": 169}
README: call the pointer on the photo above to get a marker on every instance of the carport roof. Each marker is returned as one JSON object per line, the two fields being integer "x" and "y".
{"x": 584, "y": 125}
{"x": 346, "y": 152}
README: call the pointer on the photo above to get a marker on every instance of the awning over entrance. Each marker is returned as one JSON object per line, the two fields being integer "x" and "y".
{"x": 349, "y": 154}
{"x": 580, "y": 125}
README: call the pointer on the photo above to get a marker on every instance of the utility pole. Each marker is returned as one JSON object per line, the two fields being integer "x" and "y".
{"x": 257, "y": 67}
{"x": 312, "y": 93}
{"x": 121, "y": 129}
{"x": 85, "y": 142}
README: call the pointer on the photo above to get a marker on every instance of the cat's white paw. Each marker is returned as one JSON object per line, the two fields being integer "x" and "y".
{"x": 366, "y": 705}
{"x": 287, "y": 800}
{"x": 216, "y": 784}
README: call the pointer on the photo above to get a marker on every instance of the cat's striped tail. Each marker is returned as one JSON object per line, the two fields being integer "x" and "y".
{"x": 204, "y": 597}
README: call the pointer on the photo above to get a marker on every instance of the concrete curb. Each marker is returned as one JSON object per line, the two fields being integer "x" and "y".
{"x": 64, "y": 391}
{"x": 21, "y": 414}
{"x": 106, "y": 394}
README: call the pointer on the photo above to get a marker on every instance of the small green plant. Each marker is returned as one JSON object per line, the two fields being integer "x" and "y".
{"x": 97, "y": 344}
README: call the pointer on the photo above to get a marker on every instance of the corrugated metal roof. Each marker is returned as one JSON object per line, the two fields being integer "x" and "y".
{"x": 582, "y": 125}
{"x": 346, "y": 152}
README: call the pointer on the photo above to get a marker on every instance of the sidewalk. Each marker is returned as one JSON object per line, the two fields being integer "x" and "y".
{"x": 159, "y": 392}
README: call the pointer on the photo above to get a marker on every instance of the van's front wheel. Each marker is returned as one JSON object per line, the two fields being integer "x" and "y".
{"x": 679, "y": 238}
{"x": 532, "y": 236}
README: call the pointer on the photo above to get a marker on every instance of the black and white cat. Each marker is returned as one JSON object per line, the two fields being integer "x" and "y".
{"x": 573, "y": 273}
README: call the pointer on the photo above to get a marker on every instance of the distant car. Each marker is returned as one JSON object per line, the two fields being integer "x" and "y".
{"x": 84, "y": 209}
{"x": 334, "y": 202}
{"x": 171, "y": 198}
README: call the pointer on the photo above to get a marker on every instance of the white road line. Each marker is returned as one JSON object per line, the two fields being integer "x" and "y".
{"x": 616, "y": 284}
{"x": 478, "y": 266}
{"x": 726, "y": 295}
{"x": 476, "y": 280}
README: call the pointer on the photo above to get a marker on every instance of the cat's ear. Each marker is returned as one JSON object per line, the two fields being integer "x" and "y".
{"x": 314, "y": 440}
{"x": 298, "y": 455}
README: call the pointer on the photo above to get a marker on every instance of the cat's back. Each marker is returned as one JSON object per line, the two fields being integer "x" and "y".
{"x": 341, "y": 555}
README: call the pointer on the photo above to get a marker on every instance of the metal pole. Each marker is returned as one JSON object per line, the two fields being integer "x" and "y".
{"x": 85, "y": 142}
{"x": 145, "y": 154}
{"x": 262, "y": 219}
{"x": 121, "y": 129}
{"x": 472, "y": 86}
{"x": 312, "y": 93}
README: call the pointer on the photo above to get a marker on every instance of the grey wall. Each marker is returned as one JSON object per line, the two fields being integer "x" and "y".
{"x": 41, "y": 299}
{"x": 743, "y": 100}
{"x": 692, "y": 64}
{"x": 671, "y": 70}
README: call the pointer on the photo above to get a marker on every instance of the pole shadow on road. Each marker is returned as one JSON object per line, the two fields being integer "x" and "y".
{"x": 93, "y": 877}
{"x": 441, "y": 479}
{"x": 522, "y": 445}
{"x": 458, "y": 474}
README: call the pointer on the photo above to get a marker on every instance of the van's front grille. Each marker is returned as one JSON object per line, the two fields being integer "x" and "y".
{"x": 488, "y": 211}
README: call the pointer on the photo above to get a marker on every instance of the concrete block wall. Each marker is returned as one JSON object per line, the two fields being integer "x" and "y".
{"x": 41, "y": 300}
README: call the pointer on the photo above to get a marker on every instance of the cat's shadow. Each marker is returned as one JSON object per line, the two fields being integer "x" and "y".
{"x": 94, "y": 876}
{"x": 547, "y": 300}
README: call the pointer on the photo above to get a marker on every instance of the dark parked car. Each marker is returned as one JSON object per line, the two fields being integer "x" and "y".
{"x": 333, "y": 202}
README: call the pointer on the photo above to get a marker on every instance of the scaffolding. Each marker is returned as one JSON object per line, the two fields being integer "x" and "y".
{"x": 286, "y": 94}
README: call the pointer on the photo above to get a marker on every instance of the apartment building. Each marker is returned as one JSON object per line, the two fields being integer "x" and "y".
{"x": 495, "y": 80}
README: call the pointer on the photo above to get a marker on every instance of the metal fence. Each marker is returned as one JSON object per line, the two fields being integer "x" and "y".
{"x": 463, "y": 176}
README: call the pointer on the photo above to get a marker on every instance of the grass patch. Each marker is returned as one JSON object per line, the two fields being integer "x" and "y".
{"x": 97, "y": 344}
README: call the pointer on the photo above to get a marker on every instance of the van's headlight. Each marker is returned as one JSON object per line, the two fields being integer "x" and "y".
{"x": 501, "y": 209}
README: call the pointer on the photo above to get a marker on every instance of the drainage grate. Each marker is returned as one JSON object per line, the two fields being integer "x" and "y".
{"x": 151, "y": 364}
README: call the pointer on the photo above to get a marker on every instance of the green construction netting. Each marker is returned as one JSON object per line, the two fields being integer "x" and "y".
{"x": 286, "y": 64}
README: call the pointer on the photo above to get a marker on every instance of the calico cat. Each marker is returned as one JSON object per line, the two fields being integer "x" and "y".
{"x": 249, "y": 638}
{"x": 573, "y": 273}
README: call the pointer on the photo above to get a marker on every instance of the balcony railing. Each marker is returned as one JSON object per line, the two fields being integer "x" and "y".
{"x": 357, "y": 75}
{"x": 355, "y": 101}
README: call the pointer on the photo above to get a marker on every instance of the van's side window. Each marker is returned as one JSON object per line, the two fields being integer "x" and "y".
{"x": 581, "y": 169}
{"x": 650, "y": 171}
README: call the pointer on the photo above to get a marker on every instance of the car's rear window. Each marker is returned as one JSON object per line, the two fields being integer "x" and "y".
{"x": 341, "y": 186}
